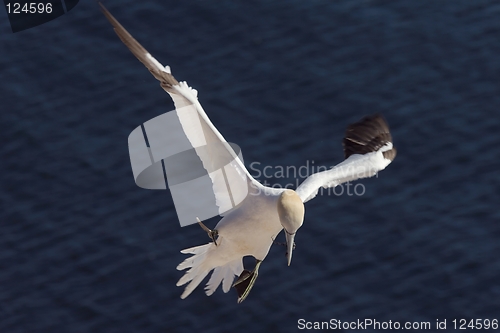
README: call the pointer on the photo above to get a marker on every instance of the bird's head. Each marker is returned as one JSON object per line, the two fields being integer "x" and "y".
{"x": 291, "y": 214}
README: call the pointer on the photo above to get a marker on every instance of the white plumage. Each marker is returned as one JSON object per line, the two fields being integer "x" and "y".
{"x": 354, "y": 167}
{"x": 253, "y": 214}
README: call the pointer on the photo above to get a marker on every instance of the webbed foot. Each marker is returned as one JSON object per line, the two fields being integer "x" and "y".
{"x": 213, "y": 234}
{"x": 245, "y": 282}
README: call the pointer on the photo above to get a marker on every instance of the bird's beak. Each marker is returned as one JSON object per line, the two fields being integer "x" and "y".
{"x": 289, "y": 246}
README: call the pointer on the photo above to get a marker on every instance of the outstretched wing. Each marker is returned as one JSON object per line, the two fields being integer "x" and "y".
{"x": 230, "y": 178}
{"x": 368, "y": 149}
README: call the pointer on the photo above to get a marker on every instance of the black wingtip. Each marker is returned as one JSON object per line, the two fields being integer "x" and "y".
{"x": 390, "y": 154}
{"x": 368, "y": 135}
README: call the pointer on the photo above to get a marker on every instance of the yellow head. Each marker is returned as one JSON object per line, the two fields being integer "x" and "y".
{"x": 291, "y": 213}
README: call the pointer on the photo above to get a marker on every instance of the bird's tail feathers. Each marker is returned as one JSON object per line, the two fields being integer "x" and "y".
{"x": 200, "y": 264}
{"x": 224, "y": 274}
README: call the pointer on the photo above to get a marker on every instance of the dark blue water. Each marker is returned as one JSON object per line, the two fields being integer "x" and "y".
{"x": 83, "y": 249}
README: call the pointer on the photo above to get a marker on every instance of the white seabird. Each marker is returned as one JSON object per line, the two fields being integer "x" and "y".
{"x": 251, "y": 227}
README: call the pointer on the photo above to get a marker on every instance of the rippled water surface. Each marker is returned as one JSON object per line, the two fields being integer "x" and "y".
{"x": 83, "y": 249}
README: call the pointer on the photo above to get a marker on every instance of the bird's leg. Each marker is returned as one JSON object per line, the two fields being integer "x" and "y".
{"x": 211, "y": 233}
{"x": 283, "y": 244}
{"x": 286, "y": 253}
{"x": 245, "y": 281}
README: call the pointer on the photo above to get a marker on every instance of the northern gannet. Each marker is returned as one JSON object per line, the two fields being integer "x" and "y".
{"x": 252, "y": 226}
